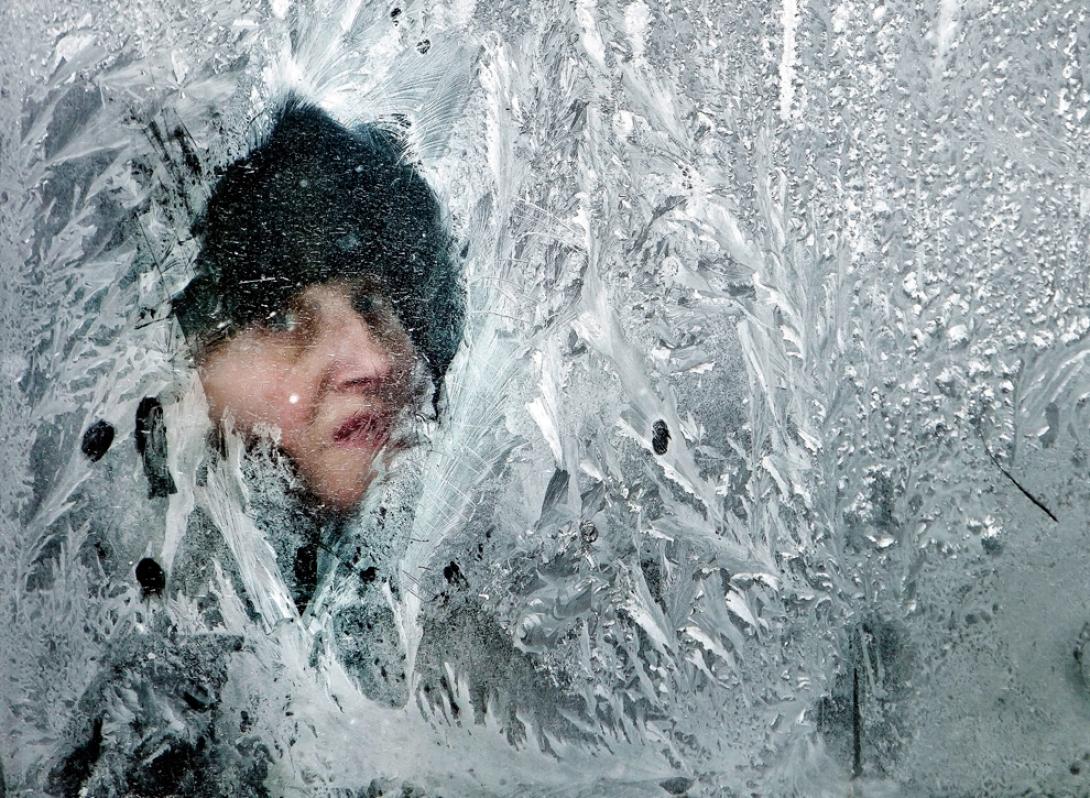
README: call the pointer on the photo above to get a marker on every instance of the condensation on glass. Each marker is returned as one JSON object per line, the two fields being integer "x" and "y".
{"x": 760, "y": 468}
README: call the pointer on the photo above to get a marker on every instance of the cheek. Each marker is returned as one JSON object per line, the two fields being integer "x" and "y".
{"x": 291, "y": 418}
{"x": 254, "y": 391}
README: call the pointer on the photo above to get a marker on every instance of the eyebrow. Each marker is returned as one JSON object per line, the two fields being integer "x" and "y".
{"x": 307, "y": 305}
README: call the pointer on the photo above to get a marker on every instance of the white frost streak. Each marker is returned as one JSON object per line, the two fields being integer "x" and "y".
{"x": 637, "y": 21}
{"x": 945, "y": 25}
{"x": 585, "y": 11}
{"x": 224, "y": 499}
{"x": 543, "y": 409}
{"x": 788, "y": 58}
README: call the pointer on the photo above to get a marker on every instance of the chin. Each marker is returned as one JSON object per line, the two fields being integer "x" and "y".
{"x": 343, "y": 496}
{"x": 340, "y": 478}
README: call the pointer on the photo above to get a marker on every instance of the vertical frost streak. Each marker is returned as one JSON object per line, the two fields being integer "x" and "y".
{"x": 789, "y": 19}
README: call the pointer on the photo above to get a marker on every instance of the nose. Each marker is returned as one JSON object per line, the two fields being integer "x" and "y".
{"x": 356, "y": 359}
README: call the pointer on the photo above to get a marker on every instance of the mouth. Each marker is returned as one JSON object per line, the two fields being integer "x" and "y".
{"x": 364, "y": 430}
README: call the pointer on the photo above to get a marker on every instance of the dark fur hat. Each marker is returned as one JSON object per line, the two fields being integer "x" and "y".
{"x": 317, "y": 202}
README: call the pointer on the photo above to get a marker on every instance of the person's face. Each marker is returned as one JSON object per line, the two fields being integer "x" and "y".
{"x": 331, "y": 372}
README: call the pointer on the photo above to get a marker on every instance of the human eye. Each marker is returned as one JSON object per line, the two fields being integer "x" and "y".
{"x": 283, "y": 321}
{"x": 288, "y": 322}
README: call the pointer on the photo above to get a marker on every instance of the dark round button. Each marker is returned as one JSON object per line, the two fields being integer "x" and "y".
{"x": 151, "y": 577}
{"x": 660, "y": 437}
{"x": 96, "y": 440}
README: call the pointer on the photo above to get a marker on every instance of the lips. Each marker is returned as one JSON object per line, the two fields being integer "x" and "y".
{"x": 361, "y": 430}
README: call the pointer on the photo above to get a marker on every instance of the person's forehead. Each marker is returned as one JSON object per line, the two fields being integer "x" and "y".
{"x": 348, "y": 288}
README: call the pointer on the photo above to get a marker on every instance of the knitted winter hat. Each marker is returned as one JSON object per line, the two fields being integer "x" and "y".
{"x": 318, "y": 202}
